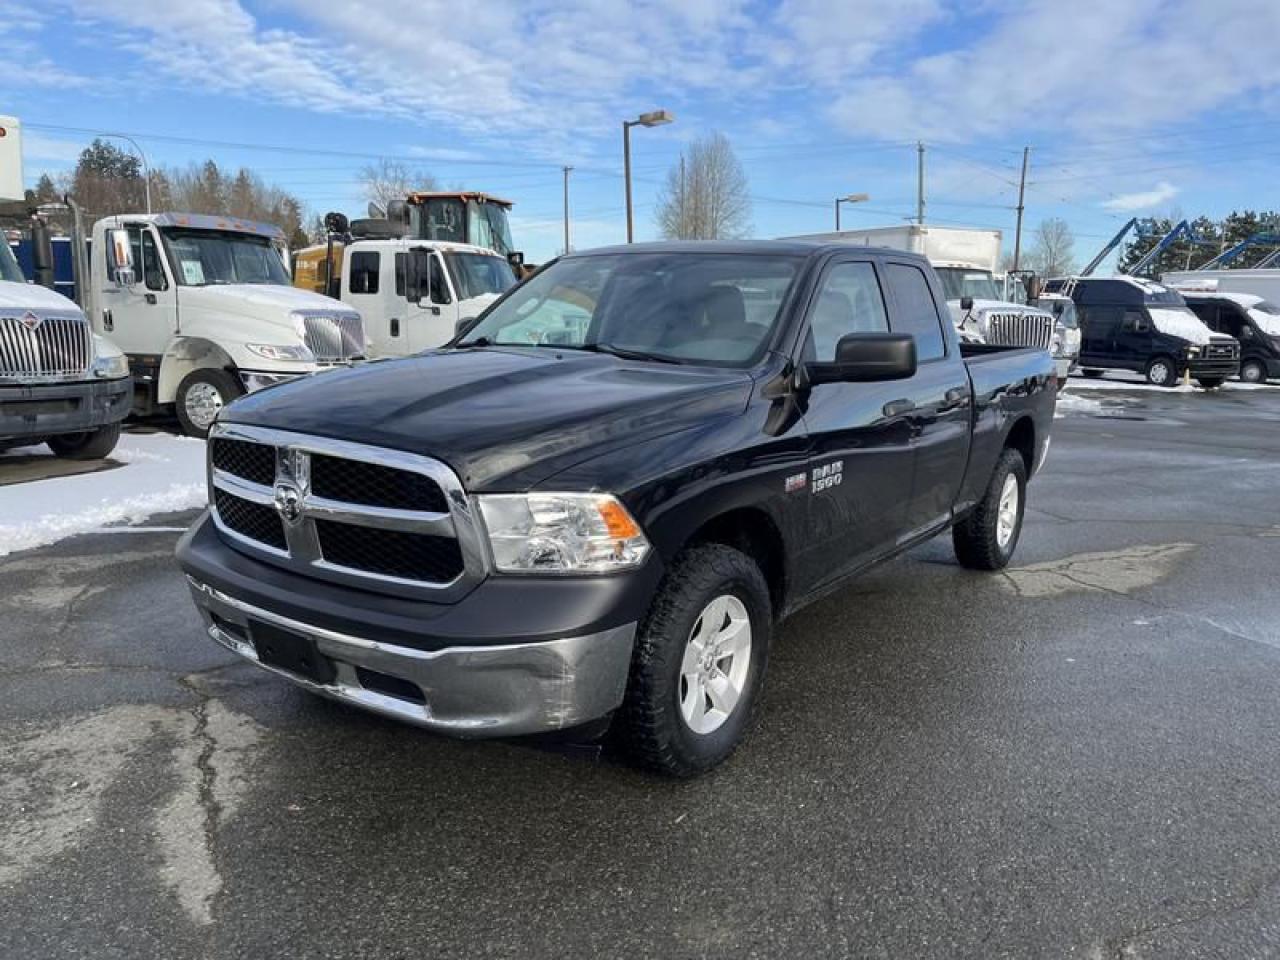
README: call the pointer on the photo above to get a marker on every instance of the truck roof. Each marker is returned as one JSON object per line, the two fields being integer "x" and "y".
{"x": 418, "y": 196}
{"x": 203, "y": 221}
{"x": 792, "y": 247}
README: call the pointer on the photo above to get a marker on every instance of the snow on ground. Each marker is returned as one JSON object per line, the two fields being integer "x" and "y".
{"x": 1069, "y": 402}
{"x": 1115, "y": 380}
{"x": 160, "y": 473}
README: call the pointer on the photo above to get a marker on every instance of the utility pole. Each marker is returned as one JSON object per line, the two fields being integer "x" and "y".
{"x": 920, "y": 182}
{"x": 566, "y": 208}
{"x": 1022, "y": 190}
{"x": 684, "y": 224}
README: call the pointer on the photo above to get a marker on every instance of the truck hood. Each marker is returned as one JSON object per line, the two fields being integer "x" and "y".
{"x": 502, "y": 418}
{"x": 258, "y": 299}
{"x": 30, "y": 296}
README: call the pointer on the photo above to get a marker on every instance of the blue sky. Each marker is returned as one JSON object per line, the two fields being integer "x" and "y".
{"x": 1131, "y": 107}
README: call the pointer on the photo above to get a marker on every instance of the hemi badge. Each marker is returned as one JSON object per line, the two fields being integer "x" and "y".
{"x": 31, "y": 321}
{"x": 794, "y": 482}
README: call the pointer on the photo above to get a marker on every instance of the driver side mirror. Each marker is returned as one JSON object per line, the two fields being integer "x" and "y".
{"x": 867, "y": 358}
{"x": 120, "y": 254}
{"x": 966, "y": 304}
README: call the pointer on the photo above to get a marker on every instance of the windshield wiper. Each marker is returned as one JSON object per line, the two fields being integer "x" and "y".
{"x": 620, "y": 352}
{"x": 477, "y": 342}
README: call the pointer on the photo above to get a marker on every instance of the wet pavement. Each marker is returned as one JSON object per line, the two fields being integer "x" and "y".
{"x": 1076, "y": 758}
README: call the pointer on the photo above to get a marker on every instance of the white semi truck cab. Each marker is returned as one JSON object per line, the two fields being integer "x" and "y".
{"x": 204, "y": 310}
{"x": 413, "y": 294}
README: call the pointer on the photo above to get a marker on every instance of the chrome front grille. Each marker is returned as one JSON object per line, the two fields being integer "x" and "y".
{"x": 45, "y": 347}
{"x": 333, "y": 337}
{"x": 1020, "y": 330}
{"x": 362, "y": 516}
{"x": 1221, "y": 351}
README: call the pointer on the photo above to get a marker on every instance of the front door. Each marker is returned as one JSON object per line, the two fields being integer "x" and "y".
{"x": 433, "y": 321}
{"x": 860, "y": 451}
{"x": 1132, "y": 348}
{"x": 1097, "y": 335}
{"x": 943, "y": 412}
{"x": 143, "y": 317}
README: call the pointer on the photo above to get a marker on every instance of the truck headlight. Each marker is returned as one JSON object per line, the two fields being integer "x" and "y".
{"x": 561, "y": 533}
{"x": 282, "y": 351}
{"x": 109, "y": 363}
{"x": 1193, "y": 351}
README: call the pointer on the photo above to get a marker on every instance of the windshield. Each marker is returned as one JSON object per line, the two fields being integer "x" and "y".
{"x": 203, "y": 257}
{"x": 489, "y": 227}
{"x": 9, "y": 269}
{"x": 1266, "y": 315}
{"x": 958, "y": 282}
{"x": 718, "y": 309}
{"x": 475, "y": 274}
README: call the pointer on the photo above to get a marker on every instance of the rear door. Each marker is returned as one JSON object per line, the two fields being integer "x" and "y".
{"x": 941, "y": 417}
{"x": 860, "y": 433}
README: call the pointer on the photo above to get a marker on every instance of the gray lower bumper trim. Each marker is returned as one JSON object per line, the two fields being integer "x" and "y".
{"x": 489, "y": 691}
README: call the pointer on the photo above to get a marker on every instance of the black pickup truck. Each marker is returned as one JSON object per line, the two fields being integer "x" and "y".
{"x": 598, "y": 502}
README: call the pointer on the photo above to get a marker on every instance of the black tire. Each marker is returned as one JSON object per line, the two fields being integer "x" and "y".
{"x": 1093, "y": 373}
{"x": 1253, "y": 371}
{"x": 1162, "y": 371}
{"x": 90, "y": 445}
{"x": 650, "y": 725}
{"x": 976, "y": 538}
{"x": 227, "y": 387}
{"x": 1211, "y": 383}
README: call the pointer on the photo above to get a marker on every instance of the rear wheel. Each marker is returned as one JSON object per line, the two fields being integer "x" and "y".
{"x": 1211, "y": 383}
{"x": 201, "y": 394}
{"x": 986, "y": 538}
{"x": 1252, "y": 371}
{"x": 89, "y": 445}
{"x": 699, "y": 663}
{"x": 1162, "y": 371}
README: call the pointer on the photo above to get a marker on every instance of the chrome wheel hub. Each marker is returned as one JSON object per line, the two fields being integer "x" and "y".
{"x": 202, "y": 403}
{"x": 1159, "y": 373}
{"x": 1007, "y": 513}
{"x": 717, "y": 658}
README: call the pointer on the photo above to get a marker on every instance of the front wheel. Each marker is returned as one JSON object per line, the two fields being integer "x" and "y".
{"x": 201, "y": 394}
{"x": 1211, "y": 383}
{"x": 89, "y": 445}
{"x": 1162, "y": 372}
{"x": 699, "y": 663}
{"x": 1253, "y": 371}
{"x": 986, "y": 538}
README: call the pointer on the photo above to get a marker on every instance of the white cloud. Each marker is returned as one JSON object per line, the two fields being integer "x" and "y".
{"x": 1143, "y": 199}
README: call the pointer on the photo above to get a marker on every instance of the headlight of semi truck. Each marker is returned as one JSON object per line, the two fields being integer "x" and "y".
{"x": 582, "y": 533}
{"x": 109, "y": 363}
{"x": 282, "y": 351}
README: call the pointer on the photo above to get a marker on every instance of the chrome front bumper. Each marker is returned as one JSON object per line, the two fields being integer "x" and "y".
{"x": 477, "y": 691}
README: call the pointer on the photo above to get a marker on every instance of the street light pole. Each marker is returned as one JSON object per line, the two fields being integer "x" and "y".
{"x": 654, "y": 118}
{"x": 566, "y": 208}
{"x": 851, "y": 198}
{"x": 146, "y": 170}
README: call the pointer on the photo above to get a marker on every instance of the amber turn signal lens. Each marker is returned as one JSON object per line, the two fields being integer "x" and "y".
{"x": 617, "y": 520}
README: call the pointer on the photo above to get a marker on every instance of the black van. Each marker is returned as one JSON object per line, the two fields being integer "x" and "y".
{"x": 1251, "y": 320}
{"x": 1132, "y": 324}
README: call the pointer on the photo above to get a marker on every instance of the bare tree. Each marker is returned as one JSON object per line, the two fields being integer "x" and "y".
{"x": 389, "y": 180}
{"x": 706, "y": 196}
{"x": 1051, "y": 253}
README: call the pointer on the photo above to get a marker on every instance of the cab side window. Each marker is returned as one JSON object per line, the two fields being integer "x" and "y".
{"x": 916, "y": 311}
{"x": 364, "y": 272}
{"x": 849, "y": 301}
{"x": 152, "y": 267}
{"x": 1135, "y": 322}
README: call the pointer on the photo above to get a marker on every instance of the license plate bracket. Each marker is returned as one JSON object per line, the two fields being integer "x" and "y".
{"x": 292, "y": 652}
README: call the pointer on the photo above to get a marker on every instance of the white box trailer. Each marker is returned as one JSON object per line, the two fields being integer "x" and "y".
{"x": 1263, "y": 283}
{"x": 959, "y": 245}
{"x": 11, "y": 185}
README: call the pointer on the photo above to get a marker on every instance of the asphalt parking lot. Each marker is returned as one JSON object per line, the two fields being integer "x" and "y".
{"x": 1075, "y": 759}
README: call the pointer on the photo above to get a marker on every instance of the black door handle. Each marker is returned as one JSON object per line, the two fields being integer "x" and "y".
{"x": 395, "y": 326}
{"x": 956, "y": 396}
{"x": 108, "y": 321}
{"x": 150, "y": 298}
{"x": 896, "y": 408}
{"x": 435, "y": 311}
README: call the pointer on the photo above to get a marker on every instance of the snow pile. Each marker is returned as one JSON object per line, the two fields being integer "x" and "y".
{"x": 161, "y": 473}
{"x": 1268, "y": 323}
{"x": 1071, "y": 403}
